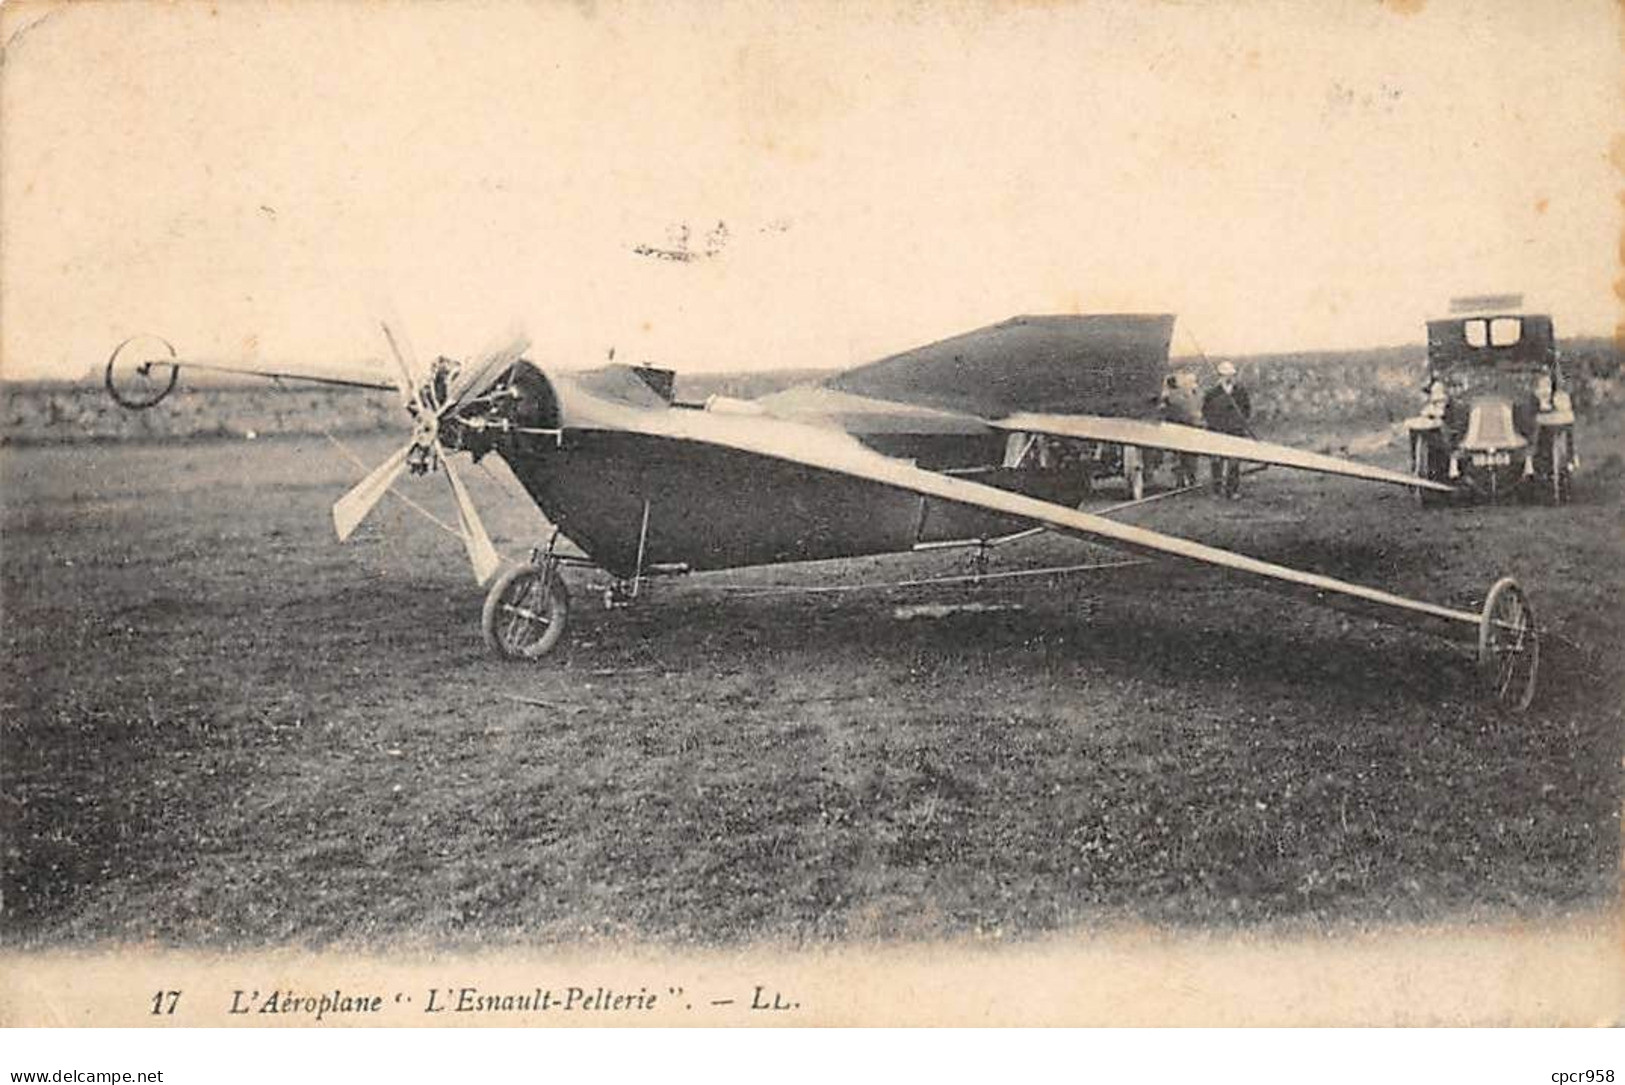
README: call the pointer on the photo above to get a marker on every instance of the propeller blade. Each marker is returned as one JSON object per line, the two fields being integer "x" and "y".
{"x": 476, "y": 378}
{"x": 480, "y": 551}
{"x": 352, "y": 508}
{"x": 408, "y": 382}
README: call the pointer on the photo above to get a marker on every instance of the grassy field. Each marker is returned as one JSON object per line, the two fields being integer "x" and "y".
{"x": 221, "y": 728}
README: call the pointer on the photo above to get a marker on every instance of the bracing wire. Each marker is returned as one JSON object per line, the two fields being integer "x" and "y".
{"x": 964, "y": 578}
{"x": 407, "y": 501}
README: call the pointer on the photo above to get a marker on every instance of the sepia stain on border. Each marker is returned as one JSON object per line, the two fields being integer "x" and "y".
{"x": 9, "y": 50}
{"x": 1616, "y": 157}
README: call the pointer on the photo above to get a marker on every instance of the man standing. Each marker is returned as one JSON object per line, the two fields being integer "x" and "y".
{"x": 1181, "y": 404}
{"x": 1225, "y": 409}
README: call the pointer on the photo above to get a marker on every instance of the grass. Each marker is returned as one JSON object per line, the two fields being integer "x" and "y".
{"x": 222, "y": 729}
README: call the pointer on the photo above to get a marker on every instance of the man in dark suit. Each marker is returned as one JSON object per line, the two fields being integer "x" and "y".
{"x": 1226, "y": 409}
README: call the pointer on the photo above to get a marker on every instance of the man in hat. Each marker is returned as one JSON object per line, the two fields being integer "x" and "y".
{"x": 1225, "y": 409}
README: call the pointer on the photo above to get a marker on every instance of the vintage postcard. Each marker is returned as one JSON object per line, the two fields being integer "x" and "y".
{"x": 965, "y": 513}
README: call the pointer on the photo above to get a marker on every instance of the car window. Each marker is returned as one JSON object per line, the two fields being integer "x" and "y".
{"x": 1505, "y": 331}
{"x": 1476, "y": 332}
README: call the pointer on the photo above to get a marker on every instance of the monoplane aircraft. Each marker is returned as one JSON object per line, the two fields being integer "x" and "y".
{"x": 961, "y": 441}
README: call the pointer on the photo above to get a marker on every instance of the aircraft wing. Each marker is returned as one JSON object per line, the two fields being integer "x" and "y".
{"x": 832, "y": 450}
{"x": 1177, "y": 438}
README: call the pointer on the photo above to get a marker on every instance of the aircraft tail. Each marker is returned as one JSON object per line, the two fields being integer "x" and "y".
{"x": 1062, "y": 364}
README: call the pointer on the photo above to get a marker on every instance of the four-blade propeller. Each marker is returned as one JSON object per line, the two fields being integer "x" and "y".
{"x": 425, "y": 449}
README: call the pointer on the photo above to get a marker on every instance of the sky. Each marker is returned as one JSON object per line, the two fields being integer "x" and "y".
{"x": 264, "y": 182}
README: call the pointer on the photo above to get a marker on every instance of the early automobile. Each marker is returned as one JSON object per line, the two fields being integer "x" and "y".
{"x": 1498, "y": 418}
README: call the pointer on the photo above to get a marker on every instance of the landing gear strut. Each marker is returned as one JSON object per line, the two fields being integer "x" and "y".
{"x": 620, "y": 593}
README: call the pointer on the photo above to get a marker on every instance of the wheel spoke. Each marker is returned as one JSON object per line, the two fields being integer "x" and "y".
{"x": 518, "y": 624}
{"x": 1509, "y": 669}
{"x": 526, "y": 604}
{"x": 525, "y": 613}
{"x": 520, "y": 630}
{"x": 1509, "y": 646}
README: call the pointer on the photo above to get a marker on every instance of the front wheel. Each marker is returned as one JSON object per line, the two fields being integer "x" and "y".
{"x": 525, "y": 612}
{"x": 1559, "y": 480}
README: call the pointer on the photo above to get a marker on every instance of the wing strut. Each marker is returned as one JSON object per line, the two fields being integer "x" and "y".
{"x": 1172, "y": 437}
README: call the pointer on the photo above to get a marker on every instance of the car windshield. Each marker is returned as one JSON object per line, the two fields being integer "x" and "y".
{"x": 1501, "y": 331}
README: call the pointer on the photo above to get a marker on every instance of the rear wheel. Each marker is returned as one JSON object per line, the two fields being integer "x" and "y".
{"x": 525, "y": 612}
{"x": 130, "y": 377}
{"x": 1508, "y": 646}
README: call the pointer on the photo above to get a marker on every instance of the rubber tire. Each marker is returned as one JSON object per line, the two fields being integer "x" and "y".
{"x": 515, "y": 585}
{"x": 1561, "y": 489}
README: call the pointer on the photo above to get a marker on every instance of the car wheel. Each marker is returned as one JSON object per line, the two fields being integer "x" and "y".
{"x": 1560, "y": 480}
